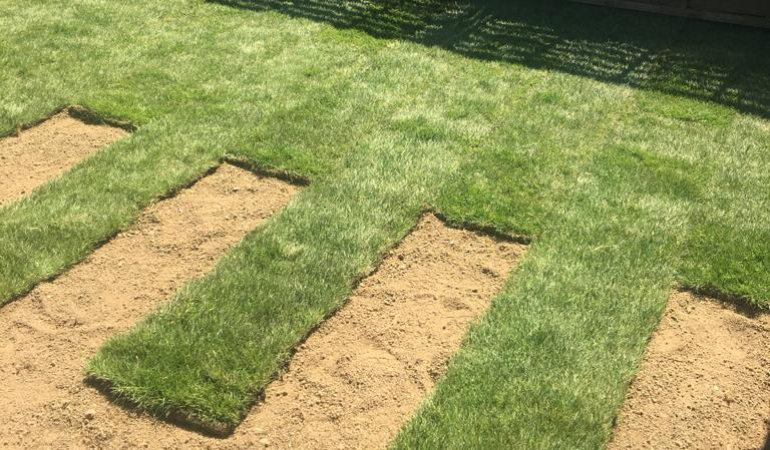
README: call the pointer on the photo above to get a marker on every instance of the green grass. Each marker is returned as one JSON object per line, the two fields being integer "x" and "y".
{"x": 633, "y": 149}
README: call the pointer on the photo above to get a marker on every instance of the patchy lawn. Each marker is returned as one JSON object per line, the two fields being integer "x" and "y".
{"x": 631, "y": 149}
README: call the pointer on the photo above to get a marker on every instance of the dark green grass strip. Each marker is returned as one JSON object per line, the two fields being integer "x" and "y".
{"x": 548, "y": 366}
{"x": 206, "y": 355}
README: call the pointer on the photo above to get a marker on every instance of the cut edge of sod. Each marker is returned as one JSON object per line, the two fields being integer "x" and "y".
{"x": 173, "y": 416}
{"x": 88, "y": 116}
{"x": 744, "y": 303}
{"x": 267, "y": 171}
{"x": 485, "y": 229}
{"x": 78, "y": 112}
{"x": 102, "y": 242}
{"x": 219, "y": 429}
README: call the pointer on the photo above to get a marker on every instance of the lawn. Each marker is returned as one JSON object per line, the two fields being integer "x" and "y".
{"x": 631, "y": 150}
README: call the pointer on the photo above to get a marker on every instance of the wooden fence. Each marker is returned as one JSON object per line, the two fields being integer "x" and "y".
{"x": 745, "y": 12}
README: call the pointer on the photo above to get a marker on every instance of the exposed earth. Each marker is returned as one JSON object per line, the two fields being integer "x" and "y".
{"x": 704, "y": 383}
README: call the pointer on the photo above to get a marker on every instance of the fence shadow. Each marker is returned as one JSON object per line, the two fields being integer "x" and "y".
{"x": 720, "y": 63}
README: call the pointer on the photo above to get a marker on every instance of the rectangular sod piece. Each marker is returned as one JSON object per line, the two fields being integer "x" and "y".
{"x": 48, "y": 334}
{"x": 363, "y": 372}
{"x": 205, "y": 357}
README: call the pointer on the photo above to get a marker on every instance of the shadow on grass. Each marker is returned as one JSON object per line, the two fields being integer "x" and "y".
{"x": 181, "y": 420}
{"x": 726, "y": 64}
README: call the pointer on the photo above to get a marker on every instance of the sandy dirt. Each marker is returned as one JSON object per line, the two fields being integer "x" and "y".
{"x": 704, "y": 383}
{"x": 361, "y": 376}
{"x": 47, "y": 336}
{"x": 46, "y": 151}
{"x": 351, "y": 385}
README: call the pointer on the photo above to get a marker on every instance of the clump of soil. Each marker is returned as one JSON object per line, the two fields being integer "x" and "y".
{"x": 351, "y": 385}
{"x": 46, "y": 151}
{"x": 47, "y": 336}
{"x": 704, "y": 383}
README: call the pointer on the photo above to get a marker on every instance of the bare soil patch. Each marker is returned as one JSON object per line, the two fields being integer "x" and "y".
{"x": 351, "y": 385}
{"x": 360, "y": 377}
{"x": 44, "y": 152}
{"x": 47, "y": 336}
{"x": 704, "y": 383}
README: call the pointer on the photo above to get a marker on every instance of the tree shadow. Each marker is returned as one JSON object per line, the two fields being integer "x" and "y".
{"x": 767, "y": 444}
{"x": 726, "y": 64}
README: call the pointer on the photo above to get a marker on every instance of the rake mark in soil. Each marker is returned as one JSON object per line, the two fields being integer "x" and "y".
{"x": 45, "y": 151}
{"x": 47, "y": 336}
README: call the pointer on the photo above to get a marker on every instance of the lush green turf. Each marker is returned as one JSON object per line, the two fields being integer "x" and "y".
{"x": 633, "y": 149}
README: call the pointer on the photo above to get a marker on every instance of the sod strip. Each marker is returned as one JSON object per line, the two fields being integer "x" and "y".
{"x": 207, "y": 356}
{"x": 64, "y": 221}
{"x": 48, "y": 334}
{"x": 43, "y": 152}
{"x": 703, "y": 382}
{"x": 360, "y": 376}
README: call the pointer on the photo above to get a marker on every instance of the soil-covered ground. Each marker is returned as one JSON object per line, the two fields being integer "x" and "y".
{"x": 703, "y": 383}
{"x": 46, "y": 151}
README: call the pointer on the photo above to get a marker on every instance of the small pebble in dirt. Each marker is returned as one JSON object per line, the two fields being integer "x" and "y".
{"x": 90, "y": 414}
{"x": 490, "y": 272}
{"x": 265, "y": 442}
